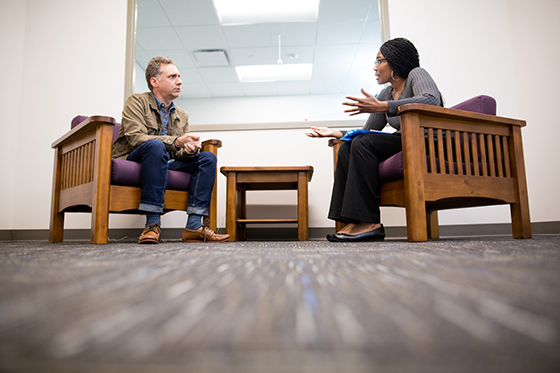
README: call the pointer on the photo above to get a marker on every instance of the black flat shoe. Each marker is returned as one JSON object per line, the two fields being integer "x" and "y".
{"x": 331, "y": 237}
{"x": 374, "y": 235}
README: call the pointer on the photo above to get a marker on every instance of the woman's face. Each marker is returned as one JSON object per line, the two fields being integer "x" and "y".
{"x": 382, "y": 69}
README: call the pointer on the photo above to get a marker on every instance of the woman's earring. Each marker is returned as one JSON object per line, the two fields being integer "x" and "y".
{"x": 392, "y": 77}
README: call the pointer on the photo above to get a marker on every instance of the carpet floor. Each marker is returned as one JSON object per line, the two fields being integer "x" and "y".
{"x": 449, "y": 305}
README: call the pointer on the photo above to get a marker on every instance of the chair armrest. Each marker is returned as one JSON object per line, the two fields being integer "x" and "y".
{"x": 455, "y": 114}
{"x": 211, "y": 145}
{"x": 212, "y": 142}
{"x": 87, "y": 126}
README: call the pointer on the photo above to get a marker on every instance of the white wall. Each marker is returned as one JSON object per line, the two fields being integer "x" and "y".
{"x": 12, "y": 25}
{"x": 66, "y": 57}
{"x": 508, "y": 49}
{"x": 59, "y": 58}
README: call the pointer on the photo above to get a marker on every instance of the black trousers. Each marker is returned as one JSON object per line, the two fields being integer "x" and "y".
{"x": 355, "y": 195}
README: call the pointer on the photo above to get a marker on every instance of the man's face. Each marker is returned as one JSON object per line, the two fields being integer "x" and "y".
{"x": 168, "y": 87}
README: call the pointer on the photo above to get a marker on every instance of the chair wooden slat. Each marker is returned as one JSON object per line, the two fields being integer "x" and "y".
{"x": 440, "y": 152}
{"x": 507, "y": 167}
{"x": 458, "y": 157}
{"x": 491, "y": 158}
{"x": 432, "y": 151}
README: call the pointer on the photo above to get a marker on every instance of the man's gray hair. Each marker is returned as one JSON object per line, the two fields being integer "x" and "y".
{"x": 153, "y": 70}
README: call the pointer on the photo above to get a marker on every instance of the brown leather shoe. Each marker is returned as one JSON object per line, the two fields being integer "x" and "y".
{"x": 203, "y": 234}
{"x": 151, "y": 234}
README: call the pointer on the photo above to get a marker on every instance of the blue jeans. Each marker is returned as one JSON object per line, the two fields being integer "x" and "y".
{"x": 156, "y": 162}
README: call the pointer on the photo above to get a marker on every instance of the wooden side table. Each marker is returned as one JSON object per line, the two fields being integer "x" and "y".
{"x": 242, "y": 179}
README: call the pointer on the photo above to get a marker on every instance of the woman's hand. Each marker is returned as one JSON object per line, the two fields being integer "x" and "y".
{"x": 323, "y": 132}
{"x": 368, "y": 104}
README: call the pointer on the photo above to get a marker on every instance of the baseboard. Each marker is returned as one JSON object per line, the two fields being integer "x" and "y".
{"x": 278, "y": 234}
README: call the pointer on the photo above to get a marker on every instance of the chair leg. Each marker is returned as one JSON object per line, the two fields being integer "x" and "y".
{"x": 520, "y": 221}
{"x": 99, "y": 226}
{"x": 433, "y": 224}
{"x": 416, "y": 228}
{"x": 56, "y": 231}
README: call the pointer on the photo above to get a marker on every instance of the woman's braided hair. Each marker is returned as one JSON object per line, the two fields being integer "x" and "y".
{"x": 401, "y": 55}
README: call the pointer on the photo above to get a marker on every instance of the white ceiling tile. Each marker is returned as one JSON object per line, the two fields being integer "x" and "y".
{"x": 181, "y": 57}
{"x": 332, "y": 85}
{"x": 335, "y": 59}
{"x": 158, "y": 38}
{"x": 190, "y": 76}
{"x": 142, "y": 58}
{"x": 151, "y": 14}
{"x": 244, "y": 36}
{"x": 374, "y": 11}
{"x": 301, "y": 33}
{"x": 218, "y": 74}
{"x": 339, "y": 32}
{"x": 195, "y": 90}
{"x": 300, "y": 87}
{"x": 372, "y": 33}
{"x": 260, "y": 89}
{"x": 191, "y": 12}
{"x": 345, "y": 9}
{"x": 202, "y": 37}
{"x": 295, "y": 54}
{"x": 226, "y": 89}
{"x": 253, "y": 56}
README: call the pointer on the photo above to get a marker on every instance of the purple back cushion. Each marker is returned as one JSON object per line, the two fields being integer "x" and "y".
{"x": 80, "y": 118}
{"x": 127, "y": 173}
{"x": 392, "y": 168}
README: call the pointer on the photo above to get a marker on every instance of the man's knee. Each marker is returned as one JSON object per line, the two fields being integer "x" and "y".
{"x": 207, "y": 158}
{"x": 154, "y": 146}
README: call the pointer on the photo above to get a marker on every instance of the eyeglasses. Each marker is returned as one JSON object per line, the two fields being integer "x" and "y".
{"x": 378, "y": 62}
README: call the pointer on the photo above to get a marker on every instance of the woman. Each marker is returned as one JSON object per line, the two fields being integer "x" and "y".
{"x": 355, "y": 196}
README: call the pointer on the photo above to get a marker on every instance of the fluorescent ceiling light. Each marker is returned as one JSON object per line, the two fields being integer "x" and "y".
{"x": 272, "y": 73}
{"x": 233, "y": 12}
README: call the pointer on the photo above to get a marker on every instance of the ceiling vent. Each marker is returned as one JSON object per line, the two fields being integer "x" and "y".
{"x": 211, "y": 57}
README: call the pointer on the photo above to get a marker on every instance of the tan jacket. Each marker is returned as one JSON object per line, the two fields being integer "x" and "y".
{"x": 141, "y": 122}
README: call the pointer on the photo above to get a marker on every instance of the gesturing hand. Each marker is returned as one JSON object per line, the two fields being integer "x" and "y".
{"x": 368, "y": 104}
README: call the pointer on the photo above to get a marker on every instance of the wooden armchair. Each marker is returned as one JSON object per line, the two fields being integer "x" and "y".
{"x": 475, "y": 160}
{"x": 84, "y": 179}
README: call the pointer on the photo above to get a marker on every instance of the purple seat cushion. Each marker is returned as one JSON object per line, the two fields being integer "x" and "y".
{"x": 127, "y": 173}
{"x": 392, "y": 168}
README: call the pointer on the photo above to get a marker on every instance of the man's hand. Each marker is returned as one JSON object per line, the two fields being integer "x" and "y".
{"x": 189, "y": 141}
{"x": 368, "y": 104}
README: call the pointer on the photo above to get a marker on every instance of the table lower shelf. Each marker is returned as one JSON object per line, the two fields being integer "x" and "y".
{"x": 253, "y": 221}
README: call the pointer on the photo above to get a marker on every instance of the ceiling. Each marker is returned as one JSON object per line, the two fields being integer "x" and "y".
{"x": 341, "y": 45}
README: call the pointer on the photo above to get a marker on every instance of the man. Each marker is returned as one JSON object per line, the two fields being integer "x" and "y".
{"x": 155, "y": 133}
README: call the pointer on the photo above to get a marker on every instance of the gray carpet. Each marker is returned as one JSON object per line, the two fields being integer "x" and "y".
{"x": 451, "y": 305}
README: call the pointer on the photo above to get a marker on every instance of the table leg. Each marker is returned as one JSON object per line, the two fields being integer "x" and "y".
{"x": 241, "y": 213}
{"x": 303, "y": 224}
{"x": 231, "y": 224}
